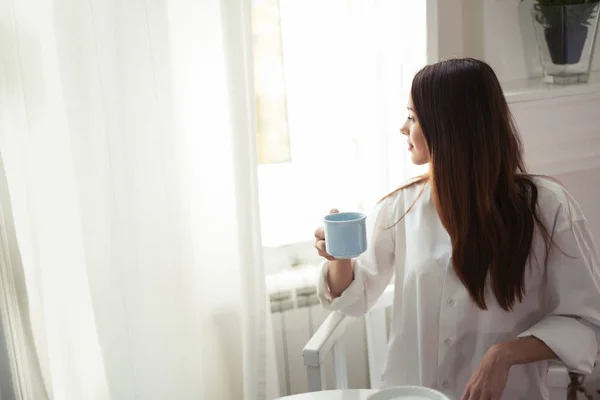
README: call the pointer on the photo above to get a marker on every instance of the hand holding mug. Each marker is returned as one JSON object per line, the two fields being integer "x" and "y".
{"x": 320, "y": 240}
{"x": 343, "y": 236}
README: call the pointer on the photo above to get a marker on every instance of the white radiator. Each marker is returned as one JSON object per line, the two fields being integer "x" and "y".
{"x": 296, "y": 314}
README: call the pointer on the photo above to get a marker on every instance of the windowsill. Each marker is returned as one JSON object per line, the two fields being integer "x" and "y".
{"x": 279, "y": 258}
{"x": 535, "y": 89}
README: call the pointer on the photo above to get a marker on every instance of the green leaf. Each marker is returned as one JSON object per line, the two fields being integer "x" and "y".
{"x": 565, "y": 12}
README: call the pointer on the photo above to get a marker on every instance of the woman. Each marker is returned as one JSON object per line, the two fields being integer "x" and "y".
{"x": 495, "y": 269}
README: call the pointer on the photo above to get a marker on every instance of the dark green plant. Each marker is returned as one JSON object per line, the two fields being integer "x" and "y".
{"x": 551, "y": 13}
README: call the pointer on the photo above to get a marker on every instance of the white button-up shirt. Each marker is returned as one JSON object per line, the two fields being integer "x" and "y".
{"x": 438, "y": 335}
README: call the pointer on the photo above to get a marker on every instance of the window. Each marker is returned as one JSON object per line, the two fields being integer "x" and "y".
{"x": 336, "y": 76}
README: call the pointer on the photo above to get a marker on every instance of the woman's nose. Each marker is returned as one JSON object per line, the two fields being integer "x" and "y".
{"x": 404, "y": 130}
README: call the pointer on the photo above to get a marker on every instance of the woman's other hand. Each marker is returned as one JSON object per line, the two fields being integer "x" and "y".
{"x": 489, "y": 379}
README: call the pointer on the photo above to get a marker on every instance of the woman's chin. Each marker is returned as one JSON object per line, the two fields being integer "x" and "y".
{"x": 417, "y": 160}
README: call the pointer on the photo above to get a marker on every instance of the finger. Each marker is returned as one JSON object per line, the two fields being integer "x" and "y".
{"x": 322, "y": 250}
{"x": 320, "y": 233}
{"x": 334, "y": 211}
{"x": 471, "y": 393}
{"x": 477, "y": 395}
{"x": 320, "y": 245}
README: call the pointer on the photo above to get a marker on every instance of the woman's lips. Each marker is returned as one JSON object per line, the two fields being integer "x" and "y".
{"x": 410, "y": 147}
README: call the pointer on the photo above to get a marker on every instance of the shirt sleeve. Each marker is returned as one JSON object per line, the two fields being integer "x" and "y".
{"x": 572, "y": 298}
{"x": 373, "y": 270}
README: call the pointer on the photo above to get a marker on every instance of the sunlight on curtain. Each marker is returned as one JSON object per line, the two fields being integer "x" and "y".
{"x": 118, "y": 132}
{"x": 269, "y": 83}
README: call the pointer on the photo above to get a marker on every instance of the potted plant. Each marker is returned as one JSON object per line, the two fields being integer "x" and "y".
{"x": 566, "y": 35}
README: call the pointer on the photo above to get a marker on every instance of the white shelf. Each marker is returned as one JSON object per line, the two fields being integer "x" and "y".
{"x": 535, "y": 89}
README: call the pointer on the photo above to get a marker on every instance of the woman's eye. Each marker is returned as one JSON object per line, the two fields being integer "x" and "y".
{"x": 410, "y": 117}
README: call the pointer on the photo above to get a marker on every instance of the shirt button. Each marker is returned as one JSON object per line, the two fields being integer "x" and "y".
{"x": 448, "y": 342}
{"x": 446, "y": 384}
{"x": 450, "y": 301}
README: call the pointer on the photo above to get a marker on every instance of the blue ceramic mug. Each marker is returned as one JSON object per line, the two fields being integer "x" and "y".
{"x": 345, "y": 234}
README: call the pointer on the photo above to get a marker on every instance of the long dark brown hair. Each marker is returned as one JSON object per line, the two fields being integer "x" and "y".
{"x": 485, "y": 198}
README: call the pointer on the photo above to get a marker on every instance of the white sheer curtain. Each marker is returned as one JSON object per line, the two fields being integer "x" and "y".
{"x": 134, "y": 268}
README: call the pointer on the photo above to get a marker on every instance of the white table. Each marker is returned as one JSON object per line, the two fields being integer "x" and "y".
{"x": 358, "y": 394}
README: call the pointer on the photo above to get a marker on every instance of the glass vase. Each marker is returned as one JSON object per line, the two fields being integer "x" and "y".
{"x": 566, "y": 37}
